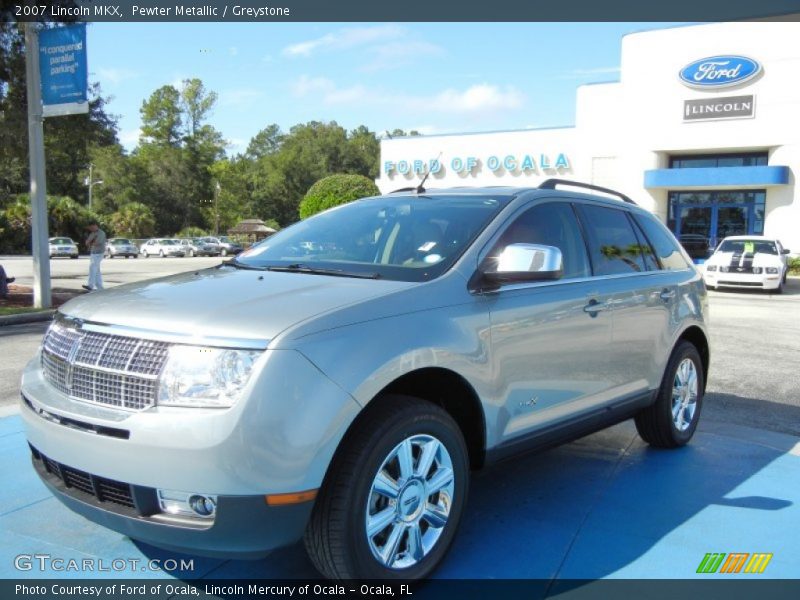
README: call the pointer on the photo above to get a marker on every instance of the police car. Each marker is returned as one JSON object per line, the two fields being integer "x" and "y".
{"x": 747, "y": 261}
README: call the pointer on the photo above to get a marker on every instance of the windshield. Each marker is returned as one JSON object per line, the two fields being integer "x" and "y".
{"x": 121, "y": 242}
{"x": 168, "y": 242}
{"x": 61, "y": 241}
{"x": 748, "y": 247}
{"x": 403, "y": 238}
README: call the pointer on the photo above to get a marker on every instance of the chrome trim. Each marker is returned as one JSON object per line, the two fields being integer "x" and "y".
{"x": 166, "y": 336}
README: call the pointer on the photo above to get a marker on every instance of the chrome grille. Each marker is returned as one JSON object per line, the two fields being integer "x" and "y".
{"x": 106, "y": 369}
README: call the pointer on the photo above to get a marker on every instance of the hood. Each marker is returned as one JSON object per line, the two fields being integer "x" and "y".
{"x": 226, "y": 302}
{"x": 760, "y": 259}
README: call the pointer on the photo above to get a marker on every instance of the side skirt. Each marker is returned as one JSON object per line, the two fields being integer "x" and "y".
{"x": 567, "y": 431}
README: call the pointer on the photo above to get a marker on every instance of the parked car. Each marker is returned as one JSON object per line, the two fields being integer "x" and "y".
{"x": 226, "y": 245}
{"x": 748, "y": 261}
{"x": 197, "y": 247}
{"x": 121, "y": 247}
{"x": 162, "y": 248}
{"x": 340, "y": 381}
{"x": 62, "y": 246}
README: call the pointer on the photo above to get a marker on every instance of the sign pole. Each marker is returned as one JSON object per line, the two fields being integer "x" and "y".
{"x": 42, "y": 297}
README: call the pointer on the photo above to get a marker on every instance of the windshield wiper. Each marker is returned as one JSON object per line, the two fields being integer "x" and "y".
{"x": 301, "y": 268}
{"x": 240, "y": 265}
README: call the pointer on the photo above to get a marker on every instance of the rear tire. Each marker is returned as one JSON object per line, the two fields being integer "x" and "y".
{"x": 402, "y": 475}
{"x": 671, "y": 421}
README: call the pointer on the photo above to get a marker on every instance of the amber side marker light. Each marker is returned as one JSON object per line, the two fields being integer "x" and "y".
{"x": 292, "y": 498}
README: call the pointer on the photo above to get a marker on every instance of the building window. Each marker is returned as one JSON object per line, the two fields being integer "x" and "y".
{"x": 697, "y": 161}
{"x": 701, "y": 220}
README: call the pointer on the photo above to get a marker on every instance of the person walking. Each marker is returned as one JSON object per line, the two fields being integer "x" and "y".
{"x": 96, "y": 242}
{"x": 4, "y": 281}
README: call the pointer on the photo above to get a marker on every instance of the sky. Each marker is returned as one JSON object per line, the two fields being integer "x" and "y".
{"x": 432, "y": 77}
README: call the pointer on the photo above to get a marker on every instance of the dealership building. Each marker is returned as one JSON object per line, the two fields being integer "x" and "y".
{"x": 702, "y": 128}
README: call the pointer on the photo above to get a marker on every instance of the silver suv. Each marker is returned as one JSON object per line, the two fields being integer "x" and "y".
{"x": 340, "y": 380}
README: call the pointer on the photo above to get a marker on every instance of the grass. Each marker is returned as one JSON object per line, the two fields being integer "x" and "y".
{"x": 16, "y": 310}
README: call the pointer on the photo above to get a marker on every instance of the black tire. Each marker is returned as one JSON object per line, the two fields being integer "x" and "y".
{"x": 655, "y": 423}
{"x": 161, "y": 253}
{"x": 335, "y": 538}
{"x": 74, "y": 257}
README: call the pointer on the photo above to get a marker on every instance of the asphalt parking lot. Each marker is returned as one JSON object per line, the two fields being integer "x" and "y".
{"x": 606, "y": 506}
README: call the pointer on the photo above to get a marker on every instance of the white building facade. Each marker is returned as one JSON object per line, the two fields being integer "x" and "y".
{"x": 703, "y": 129}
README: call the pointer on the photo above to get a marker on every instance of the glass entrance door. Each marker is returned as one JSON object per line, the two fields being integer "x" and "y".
{"x": 700, "y": 220}
{"x": 696, "y": 225}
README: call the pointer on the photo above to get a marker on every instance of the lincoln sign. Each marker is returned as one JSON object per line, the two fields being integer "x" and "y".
{"x": 730, "y": 107}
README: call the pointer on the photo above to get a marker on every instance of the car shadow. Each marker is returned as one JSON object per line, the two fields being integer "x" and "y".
{"x": 606, "y": 505}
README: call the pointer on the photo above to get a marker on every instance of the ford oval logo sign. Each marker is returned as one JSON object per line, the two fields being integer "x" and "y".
{"x": 719, "y": 71}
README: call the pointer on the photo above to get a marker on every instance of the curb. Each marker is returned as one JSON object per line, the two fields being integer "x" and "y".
{"x": 31, "y": 317}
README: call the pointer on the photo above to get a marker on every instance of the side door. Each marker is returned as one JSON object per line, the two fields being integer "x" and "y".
{"x": 641, "y": 298}
{"x": 548, "y": 339}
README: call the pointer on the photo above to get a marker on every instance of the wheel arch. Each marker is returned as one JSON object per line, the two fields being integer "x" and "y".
{"x": 697, "y": 337}
{"x": 446, "y": 389}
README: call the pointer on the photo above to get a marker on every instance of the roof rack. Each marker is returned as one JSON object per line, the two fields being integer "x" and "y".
{"x": 550, "y": 184}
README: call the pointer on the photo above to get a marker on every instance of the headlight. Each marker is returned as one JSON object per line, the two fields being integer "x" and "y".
{"x": 772, "y": 270}
{"x": 757, "y": 270}
{"x": 204, "y": 377}
{"x": 711, "y": 268}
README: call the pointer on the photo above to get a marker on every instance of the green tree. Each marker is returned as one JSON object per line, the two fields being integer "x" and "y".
{"x": 134, "y": 220}
{"x": 68, "y": 140}
{"x": 265, "y": 142}
{"x": 335, "y": 190}
{"x": 162, "y": 122}
{"x": 196, "y": 104}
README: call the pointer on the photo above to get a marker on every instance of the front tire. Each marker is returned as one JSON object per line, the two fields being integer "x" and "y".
{"x": 393, "y": 496}
{"x": 671, "y": 421}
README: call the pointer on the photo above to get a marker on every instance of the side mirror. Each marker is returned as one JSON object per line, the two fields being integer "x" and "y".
{"x": 519, "y": 263}
{"x": 785, "y": 251}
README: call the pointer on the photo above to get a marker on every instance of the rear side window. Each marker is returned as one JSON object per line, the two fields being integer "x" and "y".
{"x": 613, "y": 245}
{"x": 664, "y": 243}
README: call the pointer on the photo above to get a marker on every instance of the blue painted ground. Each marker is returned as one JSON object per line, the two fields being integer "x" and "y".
{"x": 606, "y": 506}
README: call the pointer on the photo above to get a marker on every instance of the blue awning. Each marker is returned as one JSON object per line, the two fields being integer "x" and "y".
{"x": 715, "y": 177}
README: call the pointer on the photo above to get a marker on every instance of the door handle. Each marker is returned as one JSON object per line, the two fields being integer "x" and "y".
{"x": 595, "y": 307}
{"x": 667, "y": 295}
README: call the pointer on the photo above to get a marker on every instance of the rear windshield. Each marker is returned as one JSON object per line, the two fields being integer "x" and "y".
{"x": 62, "y": 241}
{"x": 121, "y": 242}
{"x": 405, "y": 238}
{"x": 748, "y": 247}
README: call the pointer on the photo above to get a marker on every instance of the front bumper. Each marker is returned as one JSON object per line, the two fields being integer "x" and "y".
{"x": 278, "y": 439}
{"x": 763, "y": 281}
{"x": 244, "y": 527}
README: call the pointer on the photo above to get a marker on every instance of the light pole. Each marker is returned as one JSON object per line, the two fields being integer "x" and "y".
{"x": 217, "y": 189}
{"x": 91, "y": 182}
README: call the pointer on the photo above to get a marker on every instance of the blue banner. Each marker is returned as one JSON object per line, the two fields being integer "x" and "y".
{"x": 62, "y": 65}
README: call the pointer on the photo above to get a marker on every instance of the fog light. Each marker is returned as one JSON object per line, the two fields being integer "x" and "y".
{"x": 757, "y": 270}
{"x": 187, "y": 504}
{"x": 711, "y": 268}
{"x": 205, "y": 506}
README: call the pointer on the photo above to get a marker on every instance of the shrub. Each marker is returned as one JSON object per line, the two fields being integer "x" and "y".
{"x": 794, "y": 265}
{"x": 191, "y": 232}
{"x": 134, "y": 220}
{"x": 335, "y": 190}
